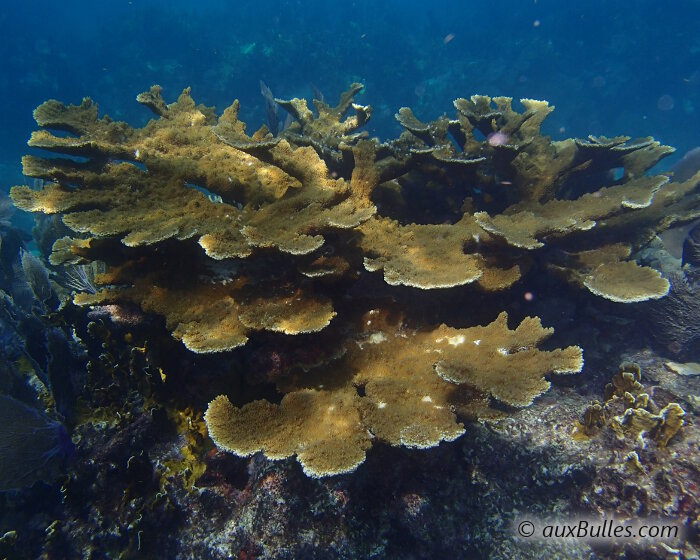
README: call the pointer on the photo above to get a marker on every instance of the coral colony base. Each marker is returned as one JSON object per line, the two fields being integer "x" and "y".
{"x": 225, "y": 235}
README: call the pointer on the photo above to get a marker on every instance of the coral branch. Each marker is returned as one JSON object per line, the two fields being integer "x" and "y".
{"x": 226, "y": 234}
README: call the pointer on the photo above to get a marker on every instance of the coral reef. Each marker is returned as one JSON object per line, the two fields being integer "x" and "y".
{"x": 403, "y": 401}
{"x": 122, "y": 496}
{"x": 231, "y": 237}
{"x": 630, "y": 412}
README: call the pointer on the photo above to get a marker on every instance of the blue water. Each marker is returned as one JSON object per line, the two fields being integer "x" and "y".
{"x": 610, "y": 67}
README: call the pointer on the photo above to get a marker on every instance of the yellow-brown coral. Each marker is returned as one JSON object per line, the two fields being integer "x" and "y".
{"x": 225, "y": 234}
{"x": 401, "y": 387}
{"x": 639, "y": 417}
{"x": 322, "y": 428}
{"x": 638, "y": 422}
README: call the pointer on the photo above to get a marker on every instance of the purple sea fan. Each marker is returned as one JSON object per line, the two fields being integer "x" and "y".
{"x": 30, "y": 441}
{"x": 673, "y": 320}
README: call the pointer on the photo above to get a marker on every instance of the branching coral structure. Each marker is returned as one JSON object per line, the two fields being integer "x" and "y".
{"x": 227, "y": 234}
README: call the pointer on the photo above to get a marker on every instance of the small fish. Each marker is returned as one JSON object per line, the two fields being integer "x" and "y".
{"x": 32, "y": 444}
{"x": 318, "y": 94}
{"x": 271, "y": 108}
